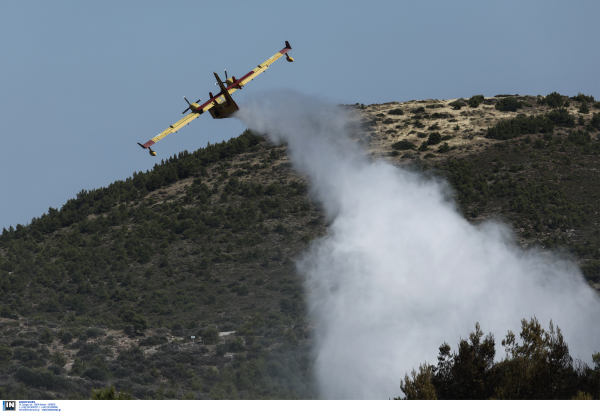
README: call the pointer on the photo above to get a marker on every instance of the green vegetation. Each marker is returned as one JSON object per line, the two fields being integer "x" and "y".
{"x": 554, "y": 100}
{"x": 457, "y": 104}
{"x": 403, "y": 145}
{"x": 509, "y": 104}
{"x": 476, "y": 100}
{"x": 539, "y": 368}
{"x": 396, "y": 111}
{"x": 434, "y": 138}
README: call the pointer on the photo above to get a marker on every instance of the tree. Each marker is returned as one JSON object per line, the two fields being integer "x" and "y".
{"x": 420, "y": 386}
{"x": 109, "y": 393}
{"x": 476, "y": 100}
{"x": 46, "y": 336}
{"x": 467, "y": 374}
{"x": 211, "y": 335}
{"x": 135, "y": 319}
{"x": 539, "y": 368}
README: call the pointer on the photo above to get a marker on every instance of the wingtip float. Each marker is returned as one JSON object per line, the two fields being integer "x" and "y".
{"x": 221, "y": 105}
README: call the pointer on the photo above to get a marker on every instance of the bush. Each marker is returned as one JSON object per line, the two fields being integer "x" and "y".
{"x": 434, "y": 138}
{"x": 237, "y": 345}
{"x": 476, "y": 100}
{"x": 584, "y": 108}
{"x": 561, "y": 118}
{"x": 153, "y": 341}
{"x": 583, "y": 98}
{"x": 520, "y": 125}
{"x": 579, "y": 137}
{"x": 36, "y": 377}
{"x": 6, "y": 353}
{"x": 67, "y": 337}
{"x": 109, "y": 393}
{"x": 553, "y": 100}
{"x": 18, "y": 342}
{"x": 55, "y": 369}
{"x": 46, "y": 337}
{"x": 418, "y": 110}
{"x": 595, "y": 123}
{"x": 445, "y": 148}
{"x": 457, "y": 104}
{"x": 509, "y": 104}
{"x": 59, "y": 359}
{"x": 396, "y": 111}
{"x": 210, "y": 335}
{"x": 92, "y": 332}
{"x": 95, "y": 374}
{"x": 403, "y": 145}
{"x": 424, "y": 147}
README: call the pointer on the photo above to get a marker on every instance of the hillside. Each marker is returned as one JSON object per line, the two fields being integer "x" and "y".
{"x": 108, "y": 289}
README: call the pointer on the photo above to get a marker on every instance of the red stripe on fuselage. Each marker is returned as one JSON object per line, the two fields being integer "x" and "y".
{"x": 148, "y": 144}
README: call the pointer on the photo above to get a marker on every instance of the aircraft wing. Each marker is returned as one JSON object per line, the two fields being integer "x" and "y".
{"x": 171, "y": 129}
{"x": 261, "y": 67}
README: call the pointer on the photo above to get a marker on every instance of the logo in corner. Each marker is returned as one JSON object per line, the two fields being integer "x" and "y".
{"x": 9, "y": 405}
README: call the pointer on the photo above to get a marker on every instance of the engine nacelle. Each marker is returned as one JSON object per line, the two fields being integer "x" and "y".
{"x": 289, "y": 58}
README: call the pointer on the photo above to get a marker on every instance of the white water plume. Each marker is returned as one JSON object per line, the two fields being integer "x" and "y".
{"x": 401, "y": 271}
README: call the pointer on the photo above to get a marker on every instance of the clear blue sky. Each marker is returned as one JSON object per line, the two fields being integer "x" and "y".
{"x": 82, "y": 82}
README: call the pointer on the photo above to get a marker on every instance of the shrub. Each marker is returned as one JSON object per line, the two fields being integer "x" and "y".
{"x": 422, "y": 135}
{"x": 59, "y": 359}
{"x": 434, "y": 138}
{"x": 441, "y": 115}
{"x": 36, "y": 377}
{"x": 92, "y": 332}
{"x": 418, "y": 110}
{"x": 5, "y": 353}
{"x": 109, "y": 393}
{"x": 553, "y": 100}
{"x": 457, "y": 104}
{"x": 583, "y": 98}
{"x": 584, "y": 108}
{"x": 403, "y": 145}
{"x": 520, "y": 125}
{"x": 595, "y": 123}
{"x": 67, "y": 337}
{"x": 237, "y": 345}
{"x": 424, "y": 147}
{"x": 18, "y": 342}
{"x": 509, "y": 104}
{"x": 445, "y": 148}
{"x": 561, "y": 118}
{"x": 95, "y": 374}
{"x": 210, "y": 335}
{"x": 153, "y": 341}
{"x": 55, "y": 369}
{"x": 579, "y": 137}
{"x": 396, "y": 111}
{"x": 476, "y": 100}
{"x": 46, "y": 336}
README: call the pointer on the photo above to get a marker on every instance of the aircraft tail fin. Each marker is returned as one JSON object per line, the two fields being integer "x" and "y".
{"x": 224, "y": 90}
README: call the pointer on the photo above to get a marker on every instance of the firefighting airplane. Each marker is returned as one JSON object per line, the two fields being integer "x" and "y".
{"x": 222, "y": 105}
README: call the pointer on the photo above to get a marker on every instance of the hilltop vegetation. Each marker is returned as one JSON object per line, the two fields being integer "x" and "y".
{"x": 108, "y": 290}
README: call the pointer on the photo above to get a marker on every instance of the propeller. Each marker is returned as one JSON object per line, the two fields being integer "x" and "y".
{"x": 189, "y": 104}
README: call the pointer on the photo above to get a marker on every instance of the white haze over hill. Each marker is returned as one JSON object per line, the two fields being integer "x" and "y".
{"x": 401, "y": 271}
